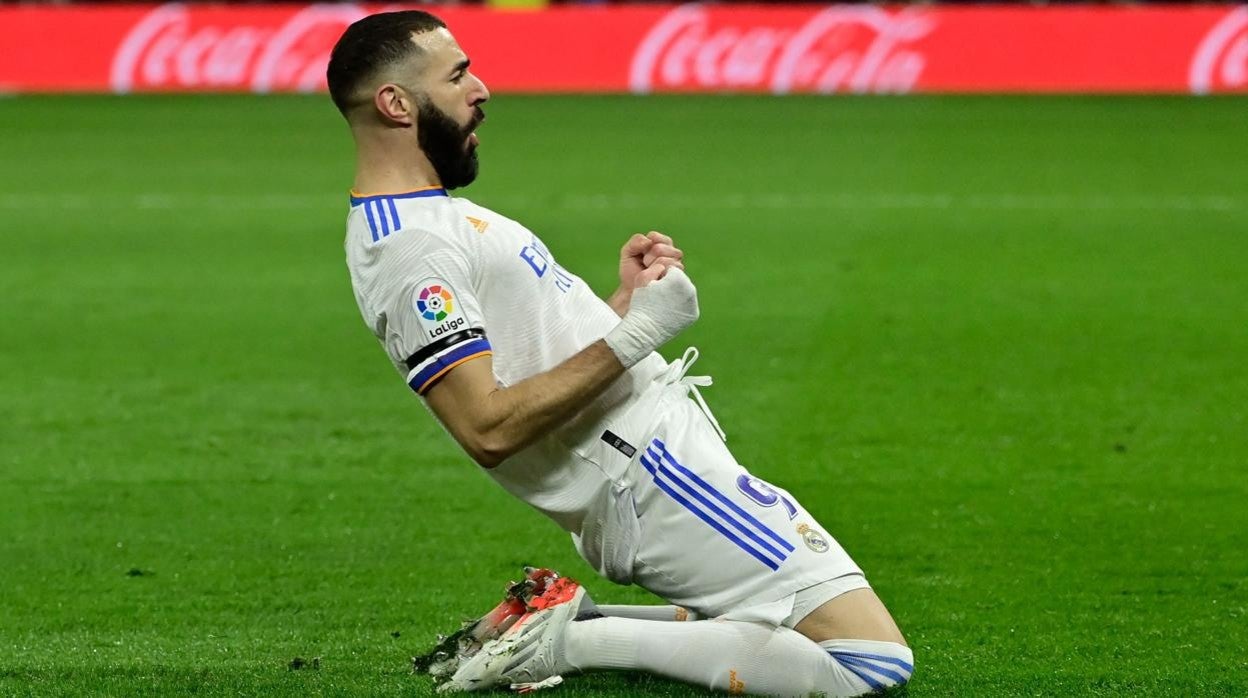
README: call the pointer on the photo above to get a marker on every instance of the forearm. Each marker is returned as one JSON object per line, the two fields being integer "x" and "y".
{"x": 619, "y": 300}
{"x": 493, "y": 423}
{"x": 516, "y": 416}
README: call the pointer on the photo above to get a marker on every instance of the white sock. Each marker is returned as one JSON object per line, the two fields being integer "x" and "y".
{"x": 877, "y": 664}
{"x": 665, "y": 613}
{"x": 737, "y": 656}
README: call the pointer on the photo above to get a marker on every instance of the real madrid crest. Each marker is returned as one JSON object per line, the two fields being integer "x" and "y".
{"x": 813, "y": 539}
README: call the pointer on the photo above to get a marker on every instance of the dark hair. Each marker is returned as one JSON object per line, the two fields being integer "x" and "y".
{"x": 371, "y": 44}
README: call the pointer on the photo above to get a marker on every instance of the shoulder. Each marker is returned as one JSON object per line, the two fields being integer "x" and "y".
{"x": 481, "y": 218}
{"x": 421, "y": 222}
{"x": 380, "y": 217}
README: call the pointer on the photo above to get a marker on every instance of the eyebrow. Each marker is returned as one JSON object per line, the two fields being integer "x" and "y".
{"x": 461, "y": 67}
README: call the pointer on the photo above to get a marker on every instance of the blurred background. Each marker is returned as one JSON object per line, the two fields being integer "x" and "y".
{"x": 641, "y": 48}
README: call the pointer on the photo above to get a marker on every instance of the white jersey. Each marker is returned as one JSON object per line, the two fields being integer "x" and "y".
{"x": 640, "y": 476}
{"x": 441, "y": 281}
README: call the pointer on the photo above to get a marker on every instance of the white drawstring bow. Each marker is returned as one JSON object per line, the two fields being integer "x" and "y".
{"x": 678, "y": 372}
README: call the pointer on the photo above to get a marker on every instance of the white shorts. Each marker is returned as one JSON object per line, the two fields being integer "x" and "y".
{"x": 692, "y": 526}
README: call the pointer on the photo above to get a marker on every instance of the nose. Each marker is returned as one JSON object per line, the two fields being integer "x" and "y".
{"x": 480, "y": 93}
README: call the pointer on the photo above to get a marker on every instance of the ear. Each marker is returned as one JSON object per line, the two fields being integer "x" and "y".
{"x": 394, "y": 105}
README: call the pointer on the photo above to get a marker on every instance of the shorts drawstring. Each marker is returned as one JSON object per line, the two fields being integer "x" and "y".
{"x": 678, "y": 371}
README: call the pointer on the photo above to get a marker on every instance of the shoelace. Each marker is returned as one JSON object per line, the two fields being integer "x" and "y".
{"x": 678, "y": 372}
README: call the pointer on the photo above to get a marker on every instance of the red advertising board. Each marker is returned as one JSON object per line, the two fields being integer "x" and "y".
{"x": 649, "y": 48}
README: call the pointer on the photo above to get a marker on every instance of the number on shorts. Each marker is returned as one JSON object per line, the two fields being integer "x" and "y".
{"x": 763, "y": 494}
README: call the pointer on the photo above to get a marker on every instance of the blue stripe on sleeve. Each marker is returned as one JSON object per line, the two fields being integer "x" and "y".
{"x": 394, "y": 213}
{"x": 372, "y": 224}
{"x": 381, "y": 215}
{"x": 424, "y": 380}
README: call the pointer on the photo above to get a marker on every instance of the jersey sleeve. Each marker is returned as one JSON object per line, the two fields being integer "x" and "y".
{"x": 434, "y": 320}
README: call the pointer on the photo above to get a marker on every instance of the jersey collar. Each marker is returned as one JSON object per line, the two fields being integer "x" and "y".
{"x": 358, "y": 198}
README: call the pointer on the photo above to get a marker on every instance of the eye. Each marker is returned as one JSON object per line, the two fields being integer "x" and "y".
{"x": 459, "y": 77}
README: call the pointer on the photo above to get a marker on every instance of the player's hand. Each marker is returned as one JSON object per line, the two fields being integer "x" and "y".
{"x": 643, "y": 252}
{"x": 664, "y": 305}
{"x": 663, "y": 252}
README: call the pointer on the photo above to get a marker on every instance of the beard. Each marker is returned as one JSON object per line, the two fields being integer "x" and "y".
{"x": 446, "y": 145}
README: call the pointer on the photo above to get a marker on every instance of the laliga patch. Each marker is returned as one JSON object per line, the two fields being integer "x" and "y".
{"x": 438, "y": 309}
{"x": 813, "y": 539}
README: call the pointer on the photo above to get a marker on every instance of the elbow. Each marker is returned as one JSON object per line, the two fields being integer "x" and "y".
{"x": 486, "y": 458}
{"x": 489, "y": 449}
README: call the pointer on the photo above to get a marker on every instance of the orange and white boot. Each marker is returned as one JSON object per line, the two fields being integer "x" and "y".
{"x": 529, "y": 655}
{"x": 540, "y": 588}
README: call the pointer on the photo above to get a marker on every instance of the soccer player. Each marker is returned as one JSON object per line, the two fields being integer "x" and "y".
{"x": 561, "y": 398}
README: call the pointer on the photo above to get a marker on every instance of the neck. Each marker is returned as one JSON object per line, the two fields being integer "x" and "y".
{"x": 388, "y": 164}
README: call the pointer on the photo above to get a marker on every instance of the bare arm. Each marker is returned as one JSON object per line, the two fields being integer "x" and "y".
{"x": 619, "y": 300}
{"x": 492, "y": 423}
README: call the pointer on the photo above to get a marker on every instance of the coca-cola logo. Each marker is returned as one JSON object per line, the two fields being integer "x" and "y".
{"x": 839, "y": 49}
{"x": 167, "y": 50}
{"x": 1221, "y": 59}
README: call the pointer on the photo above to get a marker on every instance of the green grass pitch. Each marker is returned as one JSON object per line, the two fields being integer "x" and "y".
{"x": 998, "y": 345}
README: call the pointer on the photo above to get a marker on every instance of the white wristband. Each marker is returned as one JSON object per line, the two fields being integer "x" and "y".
{"x": 631, "y": 342}
{"x": 657, "y": 312}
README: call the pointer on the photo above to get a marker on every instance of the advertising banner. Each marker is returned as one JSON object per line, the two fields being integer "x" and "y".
{"x": 649, "y": 48}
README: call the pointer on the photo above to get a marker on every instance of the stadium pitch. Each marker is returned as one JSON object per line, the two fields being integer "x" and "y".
{"x": 998, "y": 345}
